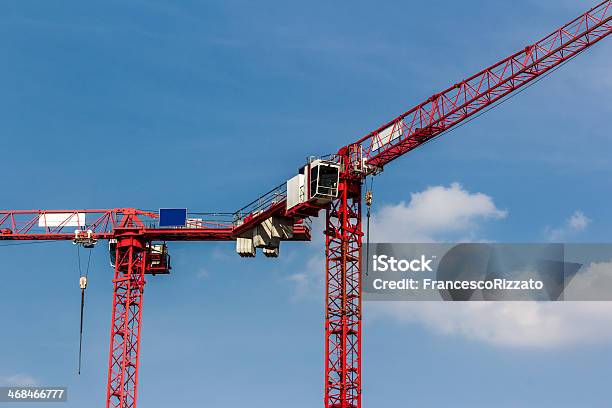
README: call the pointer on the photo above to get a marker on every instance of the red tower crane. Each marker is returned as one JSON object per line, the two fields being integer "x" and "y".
{"x": 333, "y": 183}
{"x": 137, "y": 248}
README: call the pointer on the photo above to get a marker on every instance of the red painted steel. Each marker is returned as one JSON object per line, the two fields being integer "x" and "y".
{"x": 343, "y": 298}
{"x": 134, "y": 231}
{"x": 343, "y": 376}
{"x": 24, "y": 225}
{"x": 135, "y": 228}
{"x": 129, "y": 281}
{"x": 461, "y": 101}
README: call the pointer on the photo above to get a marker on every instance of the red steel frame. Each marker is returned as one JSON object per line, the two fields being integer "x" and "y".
{"x": 129, "y": 281}
{"x": 461, "y": 101}
{"x": 134, "y": 230}
{"x": 343, "y": 298}
{"x": 24, "y": 225}
{"x": 392, "y": 140}
{"x": 406, "y": 132}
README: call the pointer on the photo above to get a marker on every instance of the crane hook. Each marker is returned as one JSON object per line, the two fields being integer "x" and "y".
{"x": 368, "y": 201}
{"x": 83, "y": 286}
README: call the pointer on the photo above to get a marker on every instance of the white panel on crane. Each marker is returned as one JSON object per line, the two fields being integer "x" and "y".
{"x": 61, "y": 219}
{"x": 296, "y": 190}
{"x": 194, "y": 223}
{"x": 387, "y": 135}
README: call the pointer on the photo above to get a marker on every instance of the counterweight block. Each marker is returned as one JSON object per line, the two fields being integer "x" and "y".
{"x": 266, "y": 236}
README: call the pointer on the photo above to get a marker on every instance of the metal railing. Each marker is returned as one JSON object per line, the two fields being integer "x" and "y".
{"x": 272, "y": 197}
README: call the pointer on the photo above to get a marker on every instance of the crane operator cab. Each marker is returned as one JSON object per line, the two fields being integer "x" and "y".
{"x": 316, "y": 183}
{"x": 324, "y": 178}
{"x": 156, "y": 255}
{"x": 314, "y": 186}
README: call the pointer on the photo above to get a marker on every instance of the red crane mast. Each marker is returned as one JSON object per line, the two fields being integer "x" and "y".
{"x": 333, "y": 184}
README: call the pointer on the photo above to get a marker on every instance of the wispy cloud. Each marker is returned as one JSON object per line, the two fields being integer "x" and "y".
{"x": 18, "y": 380}
{"x": 577, "y": 222}
{"x": 308, "y": 280}
{"x": 202, "y": 273}
{"x": 539, "y": 325}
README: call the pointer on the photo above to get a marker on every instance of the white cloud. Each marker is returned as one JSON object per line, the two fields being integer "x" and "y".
{"x": 515, "y": 324}
{"x": 594, "y": 281}
{"x": 436, "y": 213}
{"x": 444, "y": 213}
{"x": 540, "y": 325}
{"x": 18, "y": 380}
{"x": 575, "y": 223}
{"x": 578, "y": 221}
{"x": 308, "y": 281}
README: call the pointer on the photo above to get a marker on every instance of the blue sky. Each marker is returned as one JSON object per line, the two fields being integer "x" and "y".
{"x": 206, "y": 105}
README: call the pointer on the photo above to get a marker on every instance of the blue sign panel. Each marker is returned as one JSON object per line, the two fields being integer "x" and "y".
{"x": 172, "y": 217}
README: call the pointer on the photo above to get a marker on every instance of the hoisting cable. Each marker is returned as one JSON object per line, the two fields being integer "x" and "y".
{"x": 368, "y": 201}
{"x": 83, "y": 286}
{"x": 368, "y": 196}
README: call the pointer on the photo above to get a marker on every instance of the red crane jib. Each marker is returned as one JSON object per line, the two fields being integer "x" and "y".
{"x": 471, "y": 96}
{"x": 107, "y": 224}
{"x": 464, "y": 100}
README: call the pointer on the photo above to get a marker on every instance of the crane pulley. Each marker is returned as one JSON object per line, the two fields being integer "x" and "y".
{"x": 85, "y": 238}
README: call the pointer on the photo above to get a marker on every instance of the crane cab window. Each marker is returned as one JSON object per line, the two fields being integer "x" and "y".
{"x": 324, "y": 180}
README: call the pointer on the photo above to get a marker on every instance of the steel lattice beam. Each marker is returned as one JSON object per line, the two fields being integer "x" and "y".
{"x": 469, "y": 97}
{"x": 126, "y": 322}
{"x": 343, "y": 299}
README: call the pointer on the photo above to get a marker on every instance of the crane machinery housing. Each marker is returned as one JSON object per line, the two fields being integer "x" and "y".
{"x": 137, "y": 239}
